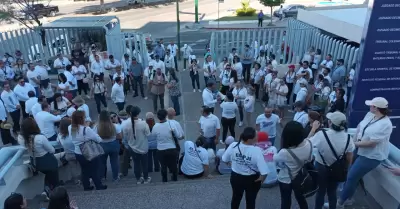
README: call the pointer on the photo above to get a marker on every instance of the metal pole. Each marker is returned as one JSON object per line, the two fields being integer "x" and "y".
{"x": 178, "y": 25}
{"x": 196, "y": 11}
{"x": 218, "y": 13}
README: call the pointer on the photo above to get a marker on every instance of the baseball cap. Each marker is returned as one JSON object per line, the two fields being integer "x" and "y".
{"x": 229, "y": 140}
{"x": 292, "y": 66}
{"x": 378, "y": 102}
{"x": 337, "y": 118}
{"x": 262, "y": 136}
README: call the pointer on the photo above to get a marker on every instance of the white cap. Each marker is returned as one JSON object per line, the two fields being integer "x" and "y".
{"x": 337, "y": 118}
{"x": 303, "y": 82}
{"x": 379, "y": 102}
{"x": 70, "y": 111}
{"x": 229, "y": 140}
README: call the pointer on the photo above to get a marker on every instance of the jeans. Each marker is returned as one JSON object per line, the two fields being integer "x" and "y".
{"x": 111, "y": 149}
{"x": 37, "y": 92}
{"x": 257, "y": 90}
{"x": 260, "y": 22}
{"x": 168, "y": 159}
{"x": 286, "y": 196}
{"x": 175, "y": 102}
{"x": 100, "y": 98}
{"x": 360, "y": 168}
{"x": 195, "y": 78}
{"x": 120, "y": 105}
{"x": 48, "y": 165}
{"x": 241, "y": 184}
{"x": 137, "y": 82}
{"x": 272, "y": 140}
{"x": 241, "y": 113}
{"x": 153, "y": 160}
{"x": 210, "y": 143}
{"x": 326, "y": 186}
{"x": 155, "y": 98}
{"x": 176, "y": 63}
{"x": 290, "y": 89}
{"x": 140, "y": 165}
{"x": 228, "y": 123}
{"x": 90, "y": 170}
{"x": 16, "y": 116}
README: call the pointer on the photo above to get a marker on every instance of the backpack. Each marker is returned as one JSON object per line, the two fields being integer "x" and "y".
{"x": 337, "y": 172}
{"x": 306, "y": 181}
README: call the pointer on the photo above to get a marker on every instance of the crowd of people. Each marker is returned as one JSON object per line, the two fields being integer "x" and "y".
{"x": 316, "y": 154}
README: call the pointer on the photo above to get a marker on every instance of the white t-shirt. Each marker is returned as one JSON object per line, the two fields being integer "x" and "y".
{"x": 268, "y": 125}
{"x": 209, "y": 125}
{"x": 328, "y": 64}
{"x": 301, "y": 117}
{"x": 32, "y": 74}
{"x": 229, "y": 109}
{"x": 194, "y": 159}
{"x": 36, "y": 108}
{"x": 301, "y": 95}
{"x": 378, "y": 131}
{"x": 245, "y": 159}
{"x": 338, "y": 140}
{"x": 45, "y": 121}
{"x": 71, "y": 78}
{"x": 164, "y": 135}
{"x": 351, "y": 78}
{"x": 29, "y": 104}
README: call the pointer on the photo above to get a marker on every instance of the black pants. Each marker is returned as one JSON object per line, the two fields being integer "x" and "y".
{"x": 241, "y": 112}
{"x": 260, "y": 21}
{"x": 176, "y": 63}
{"x": 155, "y": 98}
{"x": 6, "y": 136}
{"x": 48, "y": 165}
{"x": 90, "y": 170}
{"x": 195, "y": 78}
{"x": 137, "y": 81}
{"x": 153, "y": 162}
{"x": 228, "y": 123}
{"x": 140, "y": 165}
{"x": 120, "y": 105}
{"x": 168, "y": 160}
{"x": 286, "y": 196}
{"x": 224, "y": 89}
{"x": 82, "y": 86}
{"x": 100, "y": 98}
{"x": 241, "y": 184}
{"x": 325, "y": 187}
{"x": 16, "y": 116}
{"x": 246, "y": 72}
{"x": 257, "y": 90}
{"x": 290, "y": 89}
{"x": 24, "y": 114}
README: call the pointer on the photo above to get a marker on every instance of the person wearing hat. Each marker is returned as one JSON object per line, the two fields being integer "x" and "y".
{"x": 339, "y": 73}
{"x": 290, "y": 77}
{"x": 301, "y": 94}
{"x": 372, "y": 144}
{"x": 110, "y": 65}
{"x": 187, "y": 51}
{"x": 61, "y": 62}
{"x": 222, "y": 167}
{"x": 332, "y": 146}
{"x": 268, "y": 151}
{"x": 81, "y": 106}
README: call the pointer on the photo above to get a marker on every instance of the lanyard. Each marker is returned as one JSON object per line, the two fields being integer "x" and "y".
{"x": 370, "y": 123}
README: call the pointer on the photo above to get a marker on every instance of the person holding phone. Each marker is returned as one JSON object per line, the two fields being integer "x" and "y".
{"x": 60, "y": 63}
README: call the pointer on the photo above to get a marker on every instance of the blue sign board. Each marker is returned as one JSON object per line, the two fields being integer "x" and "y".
{"x": 378, "y": 64}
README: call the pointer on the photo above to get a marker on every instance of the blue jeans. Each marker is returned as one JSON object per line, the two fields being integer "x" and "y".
{"x": 360, "y": 168}
{"x": 175, "y": 102}
{"x": 37, "y": 92}
{"x": 140, "y": 164}
{"x": 210, "y": 143}
{"x": 326, "y": 186}
{"x": 111, "y": 149}
{"x": 272, "y": 140}
{"x": 90, "y": 170}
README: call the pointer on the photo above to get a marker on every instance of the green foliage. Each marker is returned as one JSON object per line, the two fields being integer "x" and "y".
{"x": 271, "y": 3}
{"x": 246, "y": 10}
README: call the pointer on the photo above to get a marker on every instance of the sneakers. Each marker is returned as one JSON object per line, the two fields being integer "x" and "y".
{"x": 147, "y": 181}
{"x": 199, "y": 90}
{"x": 145, "y": 98}
{"x": 348, "y": 202}
{"x": 194, "y": 90}
{"x": 240, "y": 124}
{"x": 222, "y": 142}
{"x": 45, "y": 196}
{"x": 140, "y": 181}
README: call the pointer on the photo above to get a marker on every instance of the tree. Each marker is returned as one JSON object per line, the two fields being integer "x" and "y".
{"x": 22, "y": 12}
{"x": 271, "y": 4}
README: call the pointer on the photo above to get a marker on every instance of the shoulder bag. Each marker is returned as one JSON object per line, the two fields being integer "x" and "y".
{"x": 90, "y": 149}
{"x": 178, "y": 147}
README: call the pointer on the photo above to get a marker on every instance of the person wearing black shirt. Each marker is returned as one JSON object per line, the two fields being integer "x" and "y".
{"x": 339, "y": 104}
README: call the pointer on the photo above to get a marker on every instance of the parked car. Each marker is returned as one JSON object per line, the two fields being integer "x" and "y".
{"x": 289, "y": 10}
{"x": 39, "y": 10}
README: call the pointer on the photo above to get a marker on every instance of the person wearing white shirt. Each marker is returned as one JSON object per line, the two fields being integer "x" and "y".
{"x": 373, "y": 134}
{"x": 6, "y": 72}
{"x": 249, "y": 168}
{"x": 228, "y": 120}
{"x": 240, "y": 94}
{"x": 159, "y": 64}
{"x": 209, "y": 127}
{"x": 12, "y": 105}
{"x": 81, "y": 134}
{"x": 223, "y": 168}
{"x": 171, "y": 119}
{"x": 173, "y": 48}
{"x": 37, "y": 107}
{"x": 350, "y": 79}
{"x": 327, "y": 62}
{"x": 222, "y": 65}
{"x": 99, "y": 92}
{"x": 209, "y": 98}
{"x": 302, "y": 93}
{"x": 195, "y": 162}
{"x": 45, "y": 121}
{"x": 268, "y": 123}
{"x": 126, "y": 63}
{"x": 30, "y": 102}
{"x": 334, "y": 147}
{"x": 111, "y": 64}
{"x": 167, "y": 150}
{"x": 261, "y": 59}
{"x": 43, "y": 74}
{"x": 80, "y": 73}
{"x": 305, "y": 68}
{"x": 256, "y": 77}
{"x": 210, "y": 69}
{"x": 281, "y": 93}
{"x": 97, "y": 67}
{"x": 274, "y": 63}
{"x": 21, "y": 90}
{"x": 117, "y": 94}
{"x": 5, "y": 132}
{"x": 119, "y": 73}
{"x": 227, "y": 78}
{"x": 61, "y": 63}
{"x": 249, "y": 106}
{"x": 238, "y": 67}
{"x": 300, "y": 116}
{"x": 33, "y": 78}
{"x": 232, "y": 55}
{"x": 169, "y": 61}
{"x": 72, "y": 82}
{"x": 187, "y": 51}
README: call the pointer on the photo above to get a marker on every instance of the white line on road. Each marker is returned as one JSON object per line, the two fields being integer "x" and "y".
{"x": 201, "y": 40}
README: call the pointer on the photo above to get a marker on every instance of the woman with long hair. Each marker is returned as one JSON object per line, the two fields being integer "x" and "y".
{"x": 63, "y": 85}
{"x": 238, "y": 67}
{"x": 174, "y": 91}
{"x": 41, "y": 153}
{"x": 256, "y": 78}
{"x": 136, "y": 132}
{"x": 249, "y": 169}
{"x": 293, "y": 143}
{"x": 228, "y": 120}
{"x": 194, "y": 75}
{"x": 15, "y": 201}
{"x": 20, "y": 69}
{"x": 290, "y": 79}
{"x": 81, "y": 134}
{"x": 99, "y": 91}
{"x": 108, "y": 132}
{"x": 60, "y": 103}
{"x": 59, "y": 199}
{"x": 240, "y": 94}
{"x": 152, "y": 140}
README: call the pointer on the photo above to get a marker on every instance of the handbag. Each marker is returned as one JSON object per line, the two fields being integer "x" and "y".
{"x": 32, "y": 160}
{"x": 178, "y": 147}
{"x": 90, "y": 149}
